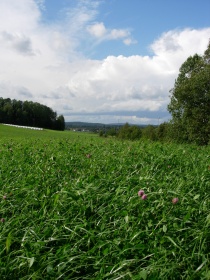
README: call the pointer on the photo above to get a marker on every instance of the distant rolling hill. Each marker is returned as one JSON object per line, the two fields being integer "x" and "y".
{"x": 95, "y": 125}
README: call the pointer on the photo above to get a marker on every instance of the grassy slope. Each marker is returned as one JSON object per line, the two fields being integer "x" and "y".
{"x": 7, "y": 132}
{"x": 72, "y": 211}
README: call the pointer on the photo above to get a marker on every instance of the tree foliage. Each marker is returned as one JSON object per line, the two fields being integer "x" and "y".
{"x": 190, "y": 100}
{"x": 149, "y": 132}
{"x": 130, "y": 132}
{"x": 29, "y": 113}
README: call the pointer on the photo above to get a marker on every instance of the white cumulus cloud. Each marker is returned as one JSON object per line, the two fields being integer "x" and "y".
{"x": 99, "y": 31}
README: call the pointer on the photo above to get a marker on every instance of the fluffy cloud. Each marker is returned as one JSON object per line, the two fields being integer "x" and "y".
{"x": 99, "y": 31}
{"x": 44, "y": 63}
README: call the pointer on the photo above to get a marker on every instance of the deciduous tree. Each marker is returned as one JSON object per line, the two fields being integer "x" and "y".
{"x": 190, "y": 99}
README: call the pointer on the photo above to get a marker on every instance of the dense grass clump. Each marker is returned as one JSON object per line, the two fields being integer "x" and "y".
{"x": 71, "y": 208}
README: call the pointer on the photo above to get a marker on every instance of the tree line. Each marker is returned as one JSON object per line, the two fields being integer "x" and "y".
{"x": 134, "y": 132}
{"x": 28, "y": 113}
{"x": 189, "y": 107}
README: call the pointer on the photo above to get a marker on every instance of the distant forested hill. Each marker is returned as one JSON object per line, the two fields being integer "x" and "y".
{"x": 94, "y": 126}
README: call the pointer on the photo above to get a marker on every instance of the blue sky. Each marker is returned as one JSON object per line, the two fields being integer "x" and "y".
{"x": 99, "y": 60}
{"x": 146, "y": 20}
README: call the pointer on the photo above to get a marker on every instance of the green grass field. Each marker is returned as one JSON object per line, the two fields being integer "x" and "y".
{"x": 70, "y": 208}
{"x": 10, "y": 132}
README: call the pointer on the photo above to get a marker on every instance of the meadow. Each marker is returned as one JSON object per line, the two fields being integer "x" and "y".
{"x": 70, "y": 208}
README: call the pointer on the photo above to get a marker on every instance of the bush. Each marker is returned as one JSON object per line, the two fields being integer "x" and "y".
{"x": 149, "y": 132}
{"x": 129, "y": 132}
